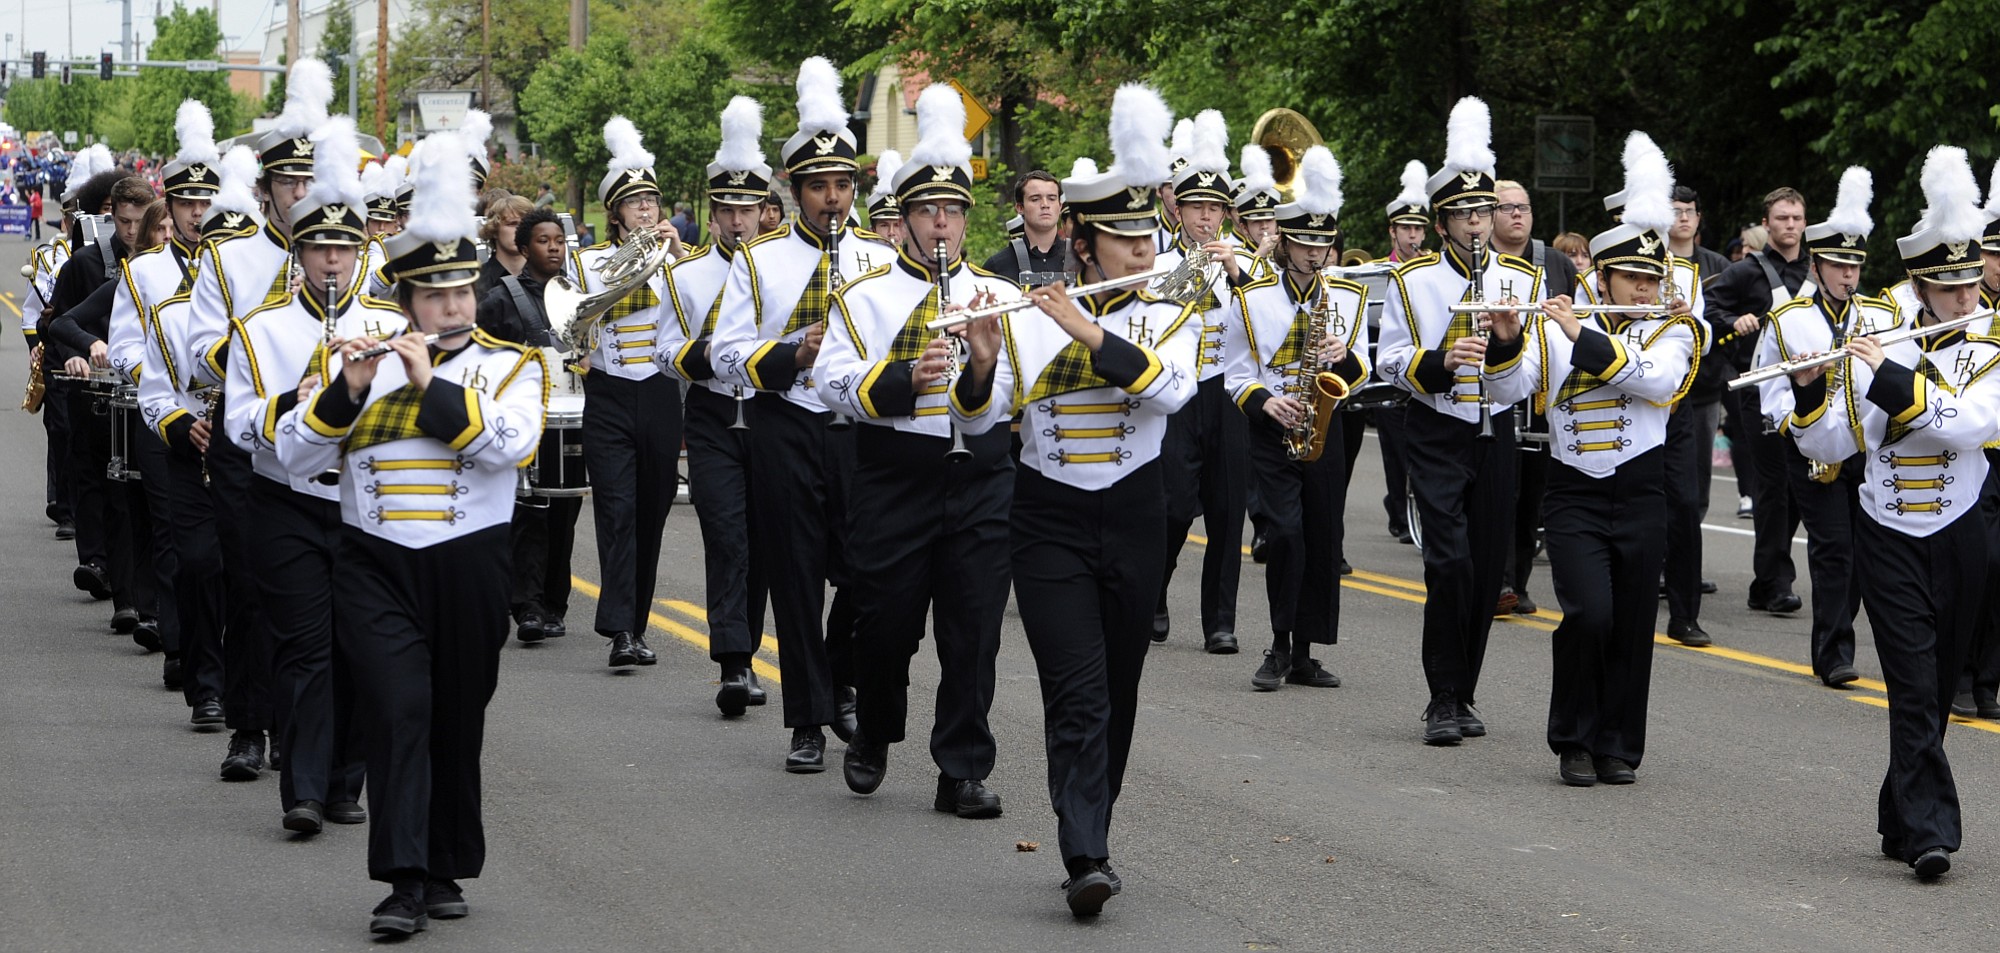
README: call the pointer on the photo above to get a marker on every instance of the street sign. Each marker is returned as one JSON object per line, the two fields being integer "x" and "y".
{"x": 1564, "y": 150}
{"x": 441, "y": 109}
{"x": 69, "y": 137}
{"x": 976, "y": 116}
{"x": 203, "y": 66}
{"x": 978, "y": 168}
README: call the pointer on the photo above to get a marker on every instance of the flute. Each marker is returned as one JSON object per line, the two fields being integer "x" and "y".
{"x": 967, "y": 317}
{"x": 429, "y": 339}
{"x": 1785, "y": 368}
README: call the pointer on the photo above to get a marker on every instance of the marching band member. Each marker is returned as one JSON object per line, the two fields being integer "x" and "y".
{"x": 927, "y": 508}
{"x": 46, "y": 261}
{"x": 768, "y": 338}
{"x": 632, "y": 414}
{"x": 275, "y": 355}
{"x": 1826, "y": 497}
{"x": 885, "y": 212}
{"x": 1275, "y": 359}
{"x": 1463, "y": 478}
{"x": 718, "y": 447}
{"x": 1409, "y": 221}
{"x": 1254, "y": 213}
{"x": 1095, "y": 382}
{"x": 1204, "y": 462}
{"x": 427, "y": 443}
{"x": 1977, "y": 688}
{"x": 1608, "y": 384}
{"x": 1920, "y": 411}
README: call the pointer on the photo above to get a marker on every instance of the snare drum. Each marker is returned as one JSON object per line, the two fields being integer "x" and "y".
{"x": 123, "y": 404}
{"x": 557, "y": 470}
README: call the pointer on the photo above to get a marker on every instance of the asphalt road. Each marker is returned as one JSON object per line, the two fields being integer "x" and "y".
{"x": 623, "y": 814}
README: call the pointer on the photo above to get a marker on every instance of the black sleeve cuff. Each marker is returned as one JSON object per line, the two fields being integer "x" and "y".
{"x": 1349, "y": 367}
{"x": 973, "y": 390}
{"x": 892, "y": 393}
{"x": 177, "y": 431}
{"x": 286, "y": 400}
{"x": 1593, "y": 354}
{"x": 778, "y": 369}
{"x": 1894, "y": 389}
{"x": 332, "y": 406}
{"x": 696, "y": 364}
{"x": 1807, "y": 398}
{"x": 441, "y": 414}
{"x": 1431, "y": 374}
{"x": 1120, "y": 362}
{"x": 1253, "y": 406}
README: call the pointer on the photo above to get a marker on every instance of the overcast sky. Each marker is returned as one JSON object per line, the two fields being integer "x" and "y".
{"x": 97, "y": 24}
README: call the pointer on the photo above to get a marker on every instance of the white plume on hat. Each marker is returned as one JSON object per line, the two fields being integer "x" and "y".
{"x": 376, "y": 180}
{"x": 941, "y": 129}
{"x": 1083, "y": 166}
{"x": 441, "y": 210}
{"x": 336, "y": 164}
{"x": 195, "y": 129}
{"x": 398, "y": 168}
{"x": 1319, "y": 183}
{"x": 1208, "y": 149}
{"x": 475, "y": 130}
{"x": 1649, "y": 185}
{"x": 308, "y": 88}
{"x": 1257, "y": 169}
{"x": 1850, "y": 206}
{"x": 1414, "y": 177}
{"x": 238, "y": 170}
{"x": 886, "y": 165}
{"x": 1468, "y": 137}
{"x": 1953, "y": 195}
{"x": 1183, "y": 140}
{"x": 820, "y": 105}
{"x": 1993, "y": 193}
{"x": 742, "y": 130}
{"x": 628, "y": 151}
{"x": 1140, "y": 121}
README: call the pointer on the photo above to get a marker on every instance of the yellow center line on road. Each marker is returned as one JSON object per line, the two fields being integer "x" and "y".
{"x": 764, "y": 670}
{"x": 1974, "y": 723}
{"x": 7, "y": 298}
{"x": 699, "y": 614}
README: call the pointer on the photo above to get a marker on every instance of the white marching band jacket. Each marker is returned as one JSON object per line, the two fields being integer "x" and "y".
{"x": 421, "y": 468}
{"x": 1609, "y": 393}
{"x": 626, "y": 339}
{"x": 875, "y": 335}
{"x": 153, "y": 275}
{"x": 695, "y": 286}
{"x": 1801, "y": 326}
{"x": 1418, "y": 329}
{"x": 48, "y": 261}
{"x": 1919, "y": 421}
{"x": 1265, "y": 346}
{"x": 1087, "y": 419}
{"x": 271, "y": 350}
{"x": 237, "y": 273}
{"x": 1217, "y": 320}
{"x": 765, "y": 308}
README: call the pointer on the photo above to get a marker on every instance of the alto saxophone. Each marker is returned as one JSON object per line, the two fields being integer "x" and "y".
{"x": 37, "y": 387}
{"x": 1318, "y": 390}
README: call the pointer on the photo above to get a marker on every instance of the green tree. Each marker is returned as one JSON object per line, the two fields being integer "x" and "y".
{"x": 46, "y": 104}
{"x": 336, "y": 50}
{"x": 184, "y": 34}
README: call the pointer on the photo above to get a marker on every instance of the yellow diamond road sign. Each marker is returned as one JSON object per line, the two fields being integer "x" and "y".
{"x": 976, "y": 116}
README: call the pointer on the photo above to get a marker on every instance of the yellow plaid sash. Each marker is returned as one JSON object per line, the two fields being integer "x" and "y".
{"x": 392, "y": 418}
{"x": 1294, "y": 343}
{"x": 818, "y": 295}
{"x": 1069, "y": 371}
{"x": 916, "y": 336}
{"x": 714, "y": 315}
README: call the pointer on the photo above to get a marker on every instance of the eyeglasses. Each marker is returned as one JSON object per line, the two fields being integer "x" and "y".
{"x": 1468, "y": 214}
{"x": 641, "y": 201}
{"x": 1515, "y": 208}
{"x": 1687, "y": 213}
{"x": 951, "y": 211}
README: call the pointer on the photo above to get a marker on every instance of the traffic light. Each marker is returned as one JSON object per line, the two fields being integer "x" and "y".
{"x": 65, "y": 74}
{"x": 41, "y": 67}
{"x": 104, "y": 67}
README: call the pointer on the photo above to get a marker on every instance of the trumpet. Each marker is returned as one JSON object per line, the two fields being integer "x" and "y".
{"x": 962, "y": 318}
{"x": 1787, "y": 368}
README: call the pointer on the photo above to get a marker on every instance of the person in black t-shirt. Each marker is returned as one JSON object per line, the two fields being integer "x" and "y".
{"x": 1038, "y": 199}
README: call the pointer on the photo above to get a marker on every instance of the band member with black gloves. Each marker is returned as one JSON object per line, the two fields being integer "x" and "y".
{"x": 632, "y": 413}
{"x": 927, "y": 506}
{"x": 1037, "y": 256}
{"x": 276, "y": 353}
{"x": 427, "y": 442}
{"x": 176, "y": 408}
{"x": 1825, "y": 497}
{"x": 544, "y": 529}
{"x": 1095, "y": 381}
{"x": 1458, "y": 443}
{"x": 1204, "y": 461}
{"x": 767, "y": 338}
{"x": 1607, "y": 382}
{"x": 1923, "y": 409}
{"x": 1741, "y": 297}
{"x": 720, "y": 415}
{"x": 1276, "y": 361}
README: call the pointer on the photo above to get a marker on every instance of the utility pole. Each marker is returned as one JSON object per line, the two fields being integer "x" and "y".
{"x": 579, "y": 32}
{"x": 354, "y": 66}
{"x": 125, "y": 40}
{"x": 291, "y": 32}
{"x": 382, "y": 71}
{"x": 485, "y": 54}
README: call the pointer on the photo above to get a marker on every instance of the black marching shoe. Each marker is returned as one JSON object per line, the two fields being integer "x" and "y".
{"x": 1931, "y": 864}
{"x": 1345, "y": 568}
{"x": 245, "y": 761}
{"x": 532, "y": 628}
{"x": 66, "y": 529}
{"x": 173, "y": 674}
{"x": 734, "y": 695}
{"x": 643, "y": 653}
{"x": 346, "y": 812}
{"x": 1523, "y": 605}
{"x": 306, "y": 817}
{"x": 1575, "y": 768}
{"x": 1989, "y": 707}
{"x": 1841, "y": 676}
{"x": 402, "y": 914}
{"x": 1222, "y": 642}
{"x": 1781, "y": 604}
{"x": 1690, "y": 634}
{"x": 1470, "y": 725}
{"x": 443, "y": 900}
{"x": 1613, "y": 770}
{"x": 1160, "y": 625}
{"x": 622, "y": 653}
{"x": 146, "y": 635}
{"x": 1257, "y": 542}
{"x": 844, "y": 714}
{"x": 864, "y": 765}
{"x": 1963, "y": 706}
{"x": 91, "y": 578}
{"x": 757, "y": 696}
{"x": 808, "y": 751}
{"x": 207, "y": 715}
{"x": 553, "y": 628}
{"x": 1441, "y": 721}
{"x": 1086, "y": 890}
{"x": 1272, "y": 673}
{"x": 125, "y": 620}
{"x": 1117, "y": 882}
{"x": 966, "y": 798}
{"x": 272, "y": 756}
{"x": 1708, "y": 587}
{"x": 1308, "y": 671}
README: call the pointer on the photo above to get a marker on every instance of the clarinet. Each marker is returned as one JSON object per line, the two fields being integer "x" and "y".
{"x": 958, "y": 453}
{"x": 838, "y": 421}
{"x": 1485, "y": 334}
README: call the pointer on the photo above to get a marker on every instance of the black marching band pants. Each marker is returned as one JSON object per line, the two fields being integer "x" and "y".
{"x": 246, "y": 639}
{"x": 1690, "y": 462}
{"x": 1774, "y": 520}
{"x": 1531, "y": 478}
{"x": 1388, "y": 423}
{"x": 1829, "y": 512}
{"x": 544, "y": 532}
{"x": 1465, "y": 497}
{"x": 1087, "y": 571}
{"x": 200, "y": 596}
{"x": 153, "y": 526}
{"x": 927, "y": 539}
{"x": 719, "y": 485}
{"x": 1923, "y": 603}
{"x": 55, "y": 423}
{"x": 632, "y": 447}
{"x": 1982, "y": 664}
{"x": 1304, "y": 504}
{"x": 297, "y": 538}
{"x": 1606, "y": 539}
{"x": 421, "y": 631}
{"x": 1205, "y": 471}
{"x": 798, "y": 517}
